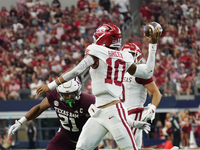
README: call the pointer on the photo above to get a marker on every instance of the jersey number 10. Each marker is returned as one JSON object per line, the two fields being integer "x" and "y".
{"x": 115, "y": 71}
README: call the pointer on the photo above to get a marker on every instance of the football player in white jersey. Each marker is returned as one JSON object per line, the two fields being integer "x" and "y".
{"x": 107, "y": 68}
{"x": 134, "y": 94}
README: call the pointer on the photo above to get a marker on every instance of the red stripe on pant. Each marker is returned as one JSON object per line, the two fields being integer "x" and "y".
{"x": 125, "y": 123}
{"x": 140, "y": 115}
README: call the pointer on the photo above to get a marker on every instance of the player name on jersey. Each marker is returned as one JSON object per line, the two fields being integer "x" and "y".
{"x": 114, "y": 53}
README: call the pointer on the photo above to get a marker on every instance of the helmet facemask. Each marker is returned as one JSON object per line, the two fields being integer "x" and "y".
{"x": 70, "y": 98}
{"x": 137, "y": 57}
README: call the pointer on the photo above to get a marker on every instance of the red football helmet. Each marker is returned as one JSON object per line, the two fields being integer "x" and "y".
{"x": 135, "y": 50}
{"x": 108, "y": 35}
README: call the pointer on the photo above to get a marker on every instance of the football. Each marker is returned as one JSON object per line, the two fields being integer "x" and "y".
{"x": 153, "y": 26}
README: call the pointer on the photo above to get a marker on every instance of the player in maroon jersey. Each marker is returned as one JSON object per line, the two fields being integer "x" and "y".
{"x": 71, "y": 106}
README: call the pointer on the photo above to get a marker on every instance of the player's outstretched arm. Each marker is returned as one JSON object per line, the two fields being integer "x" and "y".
{"x": 84, "y": 64}
{"x": 33, "y": 113}
{"x": 149, "y": 113}
{"x": 146, "y": 70}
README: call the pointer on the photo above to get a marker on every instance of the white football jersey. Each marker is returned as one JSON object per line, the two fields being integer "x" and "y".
{"x": 107, "y": 77}
{"x": 134, "y": 92}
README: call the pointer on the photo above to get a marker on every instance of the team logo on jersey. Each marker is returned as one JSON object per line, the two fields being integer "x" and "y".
{"x": 56, "y": 103}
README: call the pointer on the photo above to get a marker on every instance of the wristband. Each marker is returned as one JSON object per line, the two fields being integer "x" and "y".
{"x": 59, "y": 80}
{"x": 52, "y": 85}
{"x": 152, "y": 47}
{"x": 22, "y": 120}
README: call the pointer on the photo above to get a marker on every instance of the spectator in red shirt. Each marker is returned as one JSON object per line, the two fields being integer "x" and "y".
{"x": 105, "y": 19}
{"x": 1, "y": 67}
{"x": 81, "y": 4}
{"x": 54, "y": 41}
{"x": 156, "y": 70}
{"x": 163, "y": 63}
{"x": 185, "y": 58}
{"x": 185, "y": 86}
{"x": 197, "y": 129}
{"x": 168, "y": 126}
{"x": 145, "y": 11}
{"x": 4, "y": 12}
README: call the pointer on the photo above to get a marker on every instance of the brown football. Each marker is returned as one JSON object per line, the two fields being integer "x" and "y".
{"x": 153, "y": 26}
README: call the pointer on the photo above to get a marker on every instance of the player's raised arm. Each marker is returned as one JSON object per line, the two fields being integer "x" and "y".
{"x": 33, "y": 113}
{"x": 84, "y": 64}
{"x": 146, "y": 70}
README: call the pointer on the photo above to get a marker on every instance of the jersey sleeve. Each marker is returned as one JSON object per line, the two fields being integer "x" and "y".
{"x": 97, "y": 51}
{"x": 51, "y": 96}
{"x": 129, "y": 59}
{"x": 143, "y": 81}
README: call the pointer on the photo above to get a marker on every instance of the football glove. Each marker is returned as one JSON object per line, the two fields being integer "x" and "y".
{"x": 16, "y": 126}
{"x": 142, "y": 126}
{"x": 149, "y": 113}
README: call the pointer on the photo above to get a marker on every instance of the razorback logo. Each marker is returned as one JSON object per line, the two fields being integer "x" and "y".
{"x": 86, "y": 51}
{"x": 101, "y": 29}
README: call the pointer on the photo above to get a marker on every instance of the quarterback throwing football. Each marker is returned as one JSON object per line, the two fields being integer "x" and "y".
{"x": 107, "y": 68}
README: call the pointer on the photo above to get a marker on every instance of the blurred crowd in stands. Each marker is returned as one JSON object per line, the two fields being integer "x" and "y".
{"x": 39, "y": 40}
{"x": 177, "y": 69}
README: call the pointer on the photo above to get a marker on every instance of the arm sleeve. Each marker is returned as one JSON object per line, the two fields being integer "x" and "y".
{"x": 85, "y": 63}
{"x": 146, "y": 70}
